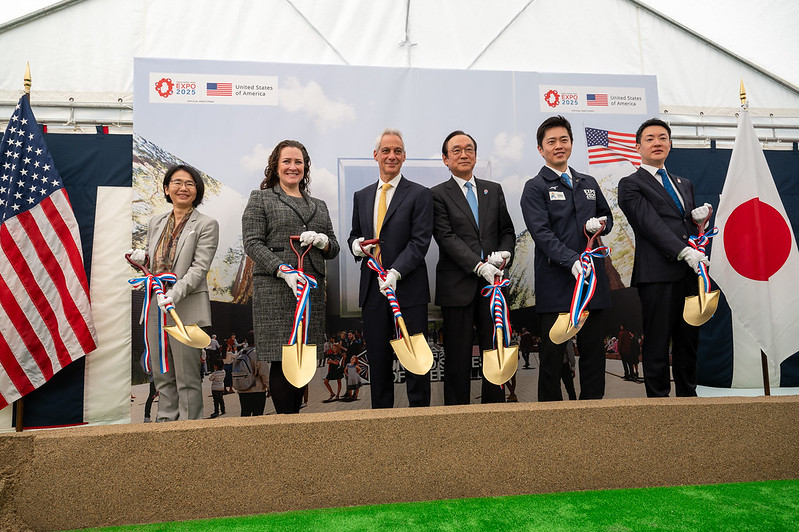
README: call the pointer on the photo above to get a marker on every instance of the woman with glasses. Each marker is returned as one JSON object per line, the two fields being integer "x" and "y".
{"x": 283, "y": 207}
{"x": 182, "y": 241}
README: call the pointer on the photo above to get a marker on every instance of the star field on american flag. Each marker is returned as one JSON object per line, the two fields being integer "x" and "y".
{"x": 27, "y": 172}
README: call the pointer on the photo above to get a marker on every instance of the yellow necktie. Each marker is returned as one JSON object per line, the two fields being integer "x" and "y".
{"x": 381, "y": 214}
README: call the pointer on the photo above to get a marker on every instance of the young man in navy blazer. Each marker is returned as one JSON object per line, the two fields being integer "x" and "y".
{"x": 559, "y": 206}
{"x": 660, "y": 207}
{"x": 404, "y": 234}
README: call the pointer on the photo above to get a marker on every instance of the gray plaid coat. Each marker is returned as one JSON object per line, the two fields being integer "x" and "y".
{"x": 269, "y": 219}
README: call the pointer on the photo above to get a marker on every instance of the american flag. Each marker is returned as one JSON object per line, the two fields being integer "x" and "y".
{"x": 45, "y": 314}
{"x": 611, "y": 147}
{"x": 219, "y": 89}
{"x": 597, "y": 100}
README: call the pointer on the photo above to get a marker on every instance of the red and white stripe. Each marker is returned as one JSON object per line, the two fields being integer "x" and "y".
{"x": 620, "y": 148}
{"x": 45, "y": 312}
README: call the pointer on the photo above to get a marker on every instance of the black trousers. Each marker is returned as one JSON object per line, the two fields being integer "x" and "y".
{"x": 459, "y": 326}
{"x": 252, "y": 403}
{"x": 662, "y": 306}
{"x": 591, "y": 360}
{"x": 286, "y": 398}
{"x": 378, "y": 324}
{"x": 148, "y": 406}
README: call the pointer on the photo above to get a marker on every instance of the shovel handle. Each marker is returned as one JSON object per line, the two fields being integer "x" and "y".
{"x": 300, "y": 258}
{"x": 591, "y": 238}
{"x": 138, "y": 266}
{"x": 701, "y": 225}
{"x": 367, "y": 243}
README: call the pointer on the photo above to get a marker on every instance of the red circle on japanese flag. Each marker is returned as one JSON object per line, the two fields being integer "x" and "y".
{"x": 757, "y": 240}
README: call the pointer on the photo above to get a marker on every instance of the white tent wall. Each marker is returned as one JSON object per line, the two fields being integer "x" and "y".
{"x": 85, "y": 50}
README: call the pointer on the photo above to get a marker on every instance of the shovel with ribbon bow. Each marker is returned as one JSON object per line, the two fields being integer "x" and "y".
{"x": 569, "y": 323}
{"x": 191, "y": 335}
{"x": 700, "y": 308}
{"x": 412, "y": 351}
{"x": 299, "y": 358}
{"x": 500, "y": 363}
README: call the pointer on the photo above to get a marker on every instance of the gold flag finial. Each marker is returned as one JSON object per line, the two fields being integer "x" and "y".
{"x": 26, "y": 82}
{"x": 744, "y": 103}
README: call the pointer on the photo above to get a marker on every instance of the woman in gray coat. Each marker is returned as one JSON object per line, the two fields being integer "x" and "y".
{"x": 282, "y": 208}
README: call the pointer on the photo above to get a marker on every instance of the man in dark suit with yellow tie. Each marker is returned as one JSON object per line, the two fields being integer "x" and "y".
{"x": 660, "y": 206}
{"x": 475, "y": 236}
{"x": 399, "y": 213}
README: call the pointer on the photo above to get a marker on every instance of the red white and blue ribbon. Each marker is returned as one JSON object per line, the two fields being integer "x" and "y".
{"x": 499, "y": 308}
{"x": 699, "y": 243}
{"x": 154, "y": 285}
{"x": 586, "y": 284}
{"x": 302, "y": 312}
{"x": 392, "y": 297}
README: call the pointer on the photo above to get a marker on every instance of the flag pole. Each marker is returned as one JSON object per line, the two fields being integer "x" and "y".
{"x": 763, "y": 358}
{"x": 26, "y": 83}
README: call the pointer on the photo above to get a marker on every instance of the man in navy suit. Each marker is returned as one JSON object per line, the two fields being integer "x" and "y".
{"x": 475, "y": 236}
{"x": 657, "y": 204}
{"x": 399, "y": 213}
{"x": 559, "y": 205}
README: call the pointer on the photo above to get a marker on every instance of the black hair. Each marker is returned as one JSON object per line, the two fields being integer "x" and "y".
{"x": 454, "y": 134}
{"x": 651, "y": 122}
{"x": 195, "y": 175}
{"x": 549, "y": 123}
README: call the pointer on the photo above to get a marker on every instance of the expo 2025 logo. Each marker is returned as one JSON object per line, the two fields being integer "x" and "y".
{"x": 552, "y": 98}
{"x": 164, "y": 87}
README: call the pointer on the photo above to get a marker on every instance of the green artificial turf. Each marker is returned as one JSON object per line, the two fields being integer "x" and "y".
{"x": 771, "y": 506}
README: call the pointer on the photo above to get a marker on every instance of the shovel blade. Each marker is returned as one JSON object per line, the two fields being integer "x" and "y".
{"x": 299, "y": 363}
{"x": 699, "y": 309}
{"x": 563, "y": 329}
{"x": 413, "y": 353}
{"x": 498, "y": 367}
{"x": 194, "y": 336}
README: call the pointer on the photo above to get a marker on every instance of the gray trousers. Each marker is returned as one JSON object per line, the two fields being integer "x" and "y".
{"x": 179, "y": 389}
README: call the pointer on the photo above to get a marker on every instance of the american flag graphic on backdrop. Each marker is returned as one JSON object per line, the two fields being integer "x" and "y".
{"x": 611, "y": 147}
{"x": 219, "y": 89}
{"x": 45, "y": 313}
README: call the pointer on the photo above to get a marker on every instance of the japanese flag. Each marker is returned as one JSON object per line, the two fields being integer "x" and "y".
{"x": 754, "y": 257}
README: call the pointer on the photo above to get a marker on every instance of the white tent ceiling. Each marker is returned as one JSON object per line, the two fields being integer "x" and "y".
{"x": 84, "y": 49}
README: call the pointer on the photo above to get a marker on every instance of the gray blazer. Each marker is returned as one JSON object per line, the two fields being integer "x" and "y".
{"x": 269, "y": 219}
{"x": 195, "y": 251}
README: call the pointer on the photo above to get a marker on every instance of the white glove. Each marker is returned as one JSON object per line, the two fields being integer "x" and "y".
{"x": 693, "y": 257}
{"x": 392, "y": 276}
{"x": 312, "y": 238}
{"x": 164, "y": 302}
{"x": 700, "y": 213}
{"x": 577, "y": 269}
{"x": 291, "y": 279}
{"x": 356, "y": 247}
{"x": 595, "y": 224}
{"x": 498, "y": 257}
{"x": 137, "y": 255}
{"x": 488, "y": 271}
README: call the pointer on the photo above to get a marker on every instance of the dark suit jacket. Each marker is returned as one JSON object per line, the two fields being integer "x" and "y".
{"x": 555, "y": 216}
{"x": 460, "y": 242}
{"x": 404, "y": 239}
{"x": 661, "y": 232}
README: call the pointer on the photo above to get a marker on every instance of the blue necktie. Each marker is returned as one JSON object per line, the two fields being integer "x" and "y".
{"x": 565, "y": 178}
{"x": 472, "y": 200}
{"x": 670, "y": 189}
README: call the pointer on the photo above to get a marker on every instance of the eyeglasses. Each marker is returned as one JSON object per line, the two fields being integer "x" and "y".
{"x": 180, "y": 184}
{"x": 457, "y": 151}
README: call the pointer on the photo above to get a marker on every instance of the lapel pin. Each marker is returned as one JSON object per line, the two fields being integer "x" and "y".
{"x": 485, "y": 191}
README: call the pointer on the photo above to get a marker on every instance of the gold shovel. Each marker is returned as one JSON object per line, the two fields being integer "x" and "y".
{"x": 299, "y": 359}
{"x": 413, "y": 352}
{"x": 191, "y": 335}
{"x": 501, "y": 363}
{"x": 563, "y": 329}
{"x": 698, "y": 309}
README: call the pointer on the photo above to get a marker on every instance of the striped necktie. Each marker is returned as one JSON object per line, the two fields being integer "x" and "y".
{"x": 670, "y": 189}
